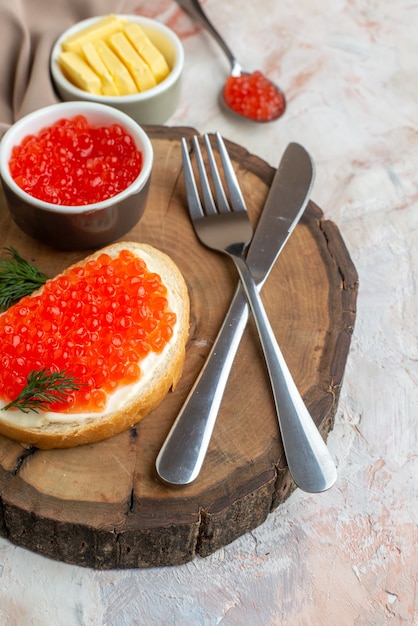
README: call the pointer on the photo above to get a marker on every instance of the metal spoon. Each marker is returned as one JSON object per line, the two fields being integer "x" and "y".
{"x": 194, "y": 8}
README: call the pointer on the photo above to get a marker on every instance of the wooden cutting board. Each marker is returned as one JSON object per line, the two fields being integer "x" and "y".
{"x": 102, "y": 505}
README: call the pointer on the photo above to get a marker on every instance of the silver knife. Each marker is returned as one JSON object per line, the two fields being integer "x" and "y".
{"x": 182, "y": 454}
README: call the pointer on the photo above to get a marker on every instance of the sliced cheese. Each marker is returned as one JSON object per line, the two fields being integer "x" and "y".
{"x": 100, "y": 30}
{"x": 79, "y": 72}
{"x": 146, "y": 49}
{"x": 109, "y": 87}
{"x": 124, "y": 81}
{"x": 139, "y": 70}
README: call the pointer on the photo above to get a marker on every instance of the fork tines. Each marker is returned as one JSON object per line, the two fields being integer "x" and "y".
{"x": 223, "y": 205}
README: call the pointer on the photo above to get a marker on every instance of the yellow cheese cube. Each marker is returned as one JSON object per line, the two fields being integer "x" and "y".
{"x": 140, "y": 71}
{"x": 116, "y": 68}
{"x": 93, "y": 58}
{"x": 79, "y": 73}
{"x": 100, "y": 30}
{"x": 144, "y": 46}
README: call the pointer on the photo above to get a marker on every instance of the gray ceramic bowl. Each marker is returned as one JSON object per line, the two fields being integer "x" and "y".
{"x": 76, "y": 227}
{"x": 153, "y": 106}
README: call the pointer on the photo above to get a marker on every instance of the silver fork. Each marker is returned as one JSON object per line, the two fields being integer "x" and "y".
{"x": 229, "y": 230}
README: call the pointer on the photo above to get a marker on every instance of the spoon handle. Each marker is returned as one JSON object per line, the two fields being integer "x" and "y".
{"x": 194, "y": 8}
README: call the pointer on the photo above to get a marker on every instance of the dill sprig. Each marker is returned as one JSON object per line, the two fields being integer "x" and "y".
{"x": 42, "y": 389}
{"x": 18, "y": 278}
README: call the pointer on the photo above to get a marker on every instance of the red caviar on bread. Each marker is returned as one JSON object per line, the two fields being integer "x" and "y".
{"x": 117, "y": 323}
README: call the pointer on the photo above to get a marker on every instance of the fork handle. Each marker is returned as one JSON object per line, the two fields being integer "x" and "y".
{"x": 307, "y": 456}
{"x": 189, "y": 437}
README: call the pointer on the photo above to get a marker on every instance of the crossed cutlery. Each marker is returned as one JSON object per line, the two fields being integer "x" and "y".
{"x": 221, "y": 222}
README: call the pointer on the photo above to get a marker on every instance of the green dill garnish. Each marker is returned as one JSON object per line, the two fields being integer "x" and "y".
{"x": 42, "y": 389}
{"x": 18, "y": 278}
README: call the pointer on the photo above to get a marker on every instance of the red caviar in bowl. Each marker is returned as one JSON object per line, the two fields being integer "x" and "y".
{"x": 254, "y": 96}
{"x": 74, "y": 163}
{"x": 97, "y": 322}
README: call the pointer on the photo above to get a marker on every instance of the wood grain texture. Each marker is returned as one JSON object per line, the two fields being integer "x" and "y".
{"x": 102, "y": 505}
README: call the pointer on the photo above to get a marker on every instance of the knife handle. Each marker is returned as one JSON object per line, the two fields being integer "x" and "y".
{"x": 182, "y": 454}
{"x": 307, "y": 456}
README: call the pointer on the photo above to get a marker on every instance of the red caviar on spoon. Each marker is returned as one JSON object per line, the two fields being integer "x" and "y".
{"x": 251, "y": 96}
{"x": 254, "y": 96}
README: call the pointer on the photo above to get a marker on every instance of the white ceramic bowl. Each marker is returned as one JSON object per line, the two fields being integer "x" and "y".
{"x": 153, "y": 106}
{"x": 76, "y": 227}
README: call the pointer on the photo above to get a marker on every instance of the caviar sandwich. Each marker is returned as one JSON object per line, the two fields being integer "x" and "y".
{"x": 94, "y": 350}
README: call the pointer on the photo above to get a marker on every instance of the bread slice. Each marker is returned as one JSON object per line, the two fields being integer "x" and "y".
{"x": 131, "y": 402}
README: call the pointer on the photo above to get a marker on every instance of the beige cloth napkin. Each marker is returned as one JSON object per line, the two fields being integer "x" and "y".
{"x": 28, "y": 30}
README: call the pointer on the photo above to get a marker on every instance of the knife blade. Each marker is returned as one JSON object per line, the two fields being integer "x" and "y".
{"x": 184, "y": 449}
{"x": 285, "y": 205}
